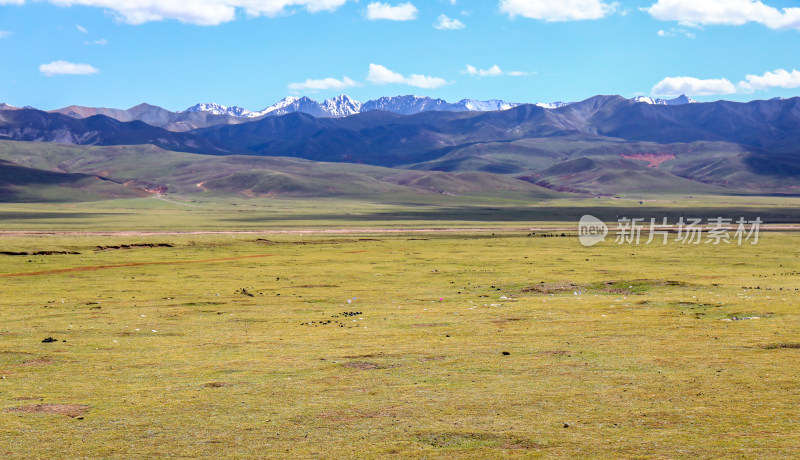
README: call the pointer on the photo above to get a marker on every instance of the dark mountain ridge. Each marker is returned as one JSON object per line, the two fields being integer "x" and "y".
{"x": 719, "y": 143}
{"x": 37, "y": 126}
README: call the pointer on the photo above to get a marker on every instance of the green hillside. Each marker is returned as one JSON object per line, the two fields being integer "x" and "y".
{"x": 151, "y": 170}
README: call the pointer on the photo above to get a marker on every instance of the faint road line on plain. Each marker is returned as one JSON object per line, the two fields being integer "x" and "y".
{"x": 91, "y": 268}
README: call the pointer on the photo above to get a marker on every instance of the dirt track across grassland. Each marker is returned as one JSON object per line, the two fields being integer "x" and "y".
{"x": 133, "y": 264}
{"x": 351, "y": 231}
{"x": 310, "y": 231}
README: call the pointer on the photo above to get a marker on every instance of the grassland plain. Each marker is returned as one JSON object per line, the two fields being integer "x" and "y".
{"x": 395, "y": 210}
{"x": 463, "y": 344}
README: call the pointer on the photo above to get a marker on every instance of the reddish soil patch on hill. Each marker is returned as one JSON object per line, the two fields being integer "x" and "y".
{"x": 654, "y": 159}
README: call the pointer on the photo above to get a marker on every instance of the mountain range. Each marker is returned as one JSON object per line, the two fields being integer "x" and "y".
{"x": 203, "y": 115}
{"x": 602, "y": 145}
{"x": 344, "y": 106}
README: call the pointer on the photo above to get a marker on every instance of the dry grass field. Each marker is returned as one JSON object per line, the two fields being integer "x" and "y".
{"x": 479, "y": 344}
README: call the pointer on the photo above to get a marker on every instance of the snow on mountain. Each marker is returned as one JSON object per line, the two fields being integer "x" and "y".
{"x": 294, "y": 104}
{"x": 680, "y": 100}
{"x": 552, "y": 105}
{"x": 286, "y": 105}
{"x": 487, "y": 106}
{"x": 4, "y": 106}
{"x": 342, "y": 106}
{"x": 409, "y": 105}
{"x": 278, "y": 106}
{"x": 216, "y": 109}
{"x": 648, "y": 100}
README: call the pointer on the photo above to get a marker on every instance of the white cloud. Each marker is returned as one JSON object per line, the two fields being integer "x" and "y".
{"x": 724, "y": 12}
{"x": 493, "y": 71}
{"x": 380, "y": 75}
{"x": 778, "y": 79}
{"x": 423, "y": 81}
{"x": 558, "y": 10}
{"x": 82, "y": 29}
{"x": 445, "y": 23}
{"x": 323, "y": 84}
{"x": 66, "y": 68}
{"x": 4, "y": 33}
{"x": 675, "y": 32}
{"x": 675, "y": 86}
{"x": 401, "y": 12}
{"x": 102, "y": 41}
{"x": 200, "y": 12}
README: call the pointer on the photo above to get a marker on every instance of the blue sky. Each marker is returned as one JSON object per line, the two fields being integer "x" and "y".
{"x": 251, "y": 53}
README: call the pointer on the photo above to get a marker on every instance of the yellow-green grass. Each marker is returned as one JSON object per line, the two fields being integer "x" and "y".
{"x": 177, "y": 213}
{"x": 174, "y": 358}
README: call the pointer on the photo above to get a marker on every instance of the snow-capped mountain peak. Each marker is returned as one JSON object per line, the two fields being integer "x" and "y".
{"x": 217, "y": 109}
{"x": 487, "y": 106}
{"x": 552, "y": 105}
{"x": 282, "y": 104}
{"x": 409, "y": 104}
{"x": 342, "y": 106}
{"x": 293, "y": 104}
{"x": 680, "y": 100}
